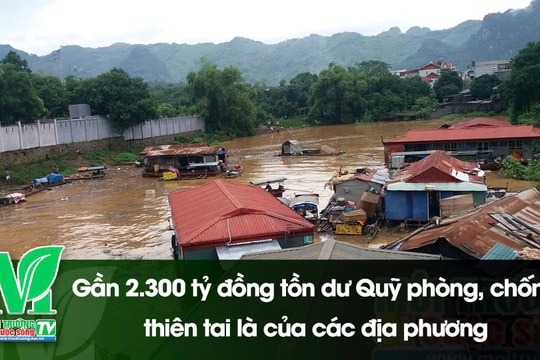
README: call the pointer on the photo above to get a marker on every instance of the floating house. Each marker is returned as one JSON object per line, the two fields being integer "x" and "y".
{"x": 293, "y": 147}
{"x": 183, "y": 159}
{"x": 223, "y": 220}
{"x": 350, "y": 187}
{"x": 505, "y": 229}
{"x": 477, "y": 140}
{"x": 414, "y": 193}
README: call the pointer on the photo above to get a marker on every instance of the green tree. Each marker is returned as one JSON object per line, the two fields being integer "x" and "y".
{"x": 18, "y": 98}
{"x": 19, "y": 64}
{"x": 522, "y": 91}
{"x": 449, "y": 83}
{"x": 482, "y": 86}
{"x": 172, "y": 99}
{"x": 223, "y": 99}
{"x": 337, "y": 97}
{"x": 53, "y": 93}
{"x": 166, "y": 110}
{"x": 414, "y": 88}
{"x": 374, "y": 68}
{"x": 298, "y": 91}
{"x": 424, "y": 105}
{"x": 125, "y": 100}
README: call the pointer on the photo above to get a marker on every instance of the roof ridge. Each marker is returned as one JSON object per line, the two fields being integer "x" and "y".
{"x": 221, "y": 185}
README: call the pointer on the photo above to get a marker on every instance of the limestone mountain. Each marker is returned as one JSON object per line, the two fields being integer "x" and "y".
{"x": 497, "y": 36}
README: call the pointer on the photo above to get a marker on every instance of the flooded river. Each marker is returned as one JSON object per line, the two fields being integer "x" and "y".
{"x": 126, "y": 216}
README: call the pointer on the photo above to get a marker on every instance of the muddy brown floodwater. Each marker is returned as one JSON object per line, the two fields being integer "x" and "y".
{"x": 126, "y": 216}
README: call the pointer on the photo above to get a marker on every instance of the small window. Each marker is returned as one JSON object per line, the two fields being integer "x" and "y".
{"x": 483, "y": 147}
{"x": 450, "y": 146}
{"x": 515, "y": 146}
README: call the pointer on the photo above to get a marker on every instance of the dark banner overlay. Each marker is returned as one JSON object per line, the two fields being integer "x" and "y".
{"x": 277, "y": 310}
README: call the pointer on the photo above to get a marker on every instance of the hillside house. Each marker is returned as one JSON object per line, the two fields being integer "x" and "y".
{"x": 500, "y": 68}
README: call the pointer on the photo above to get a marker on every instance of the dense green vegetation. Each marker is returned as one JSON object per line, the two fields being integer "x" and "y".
{"x": 522, "y": 91}
{"x": 363, "y": 92}
{"x": 517, "y": 170}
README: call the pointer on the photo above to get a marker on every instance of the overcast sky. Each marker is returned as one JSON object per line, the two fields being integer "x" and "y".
{"x": 42, "y": 26}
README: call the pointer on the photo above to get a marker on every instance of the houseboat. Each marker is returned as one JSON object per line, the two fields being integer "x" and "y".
{"x": 294, "y": 148}
{"x": 183, "y": 161}
{"x": 415, "y": 193}
{"x": 225, "y": 220}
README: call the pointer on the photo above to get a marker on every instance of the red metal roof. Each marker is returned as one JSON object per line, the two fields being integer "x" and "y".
{"x": 430, "y": 76}
{"x": 467, "y": 134}
{"x": 438, "y": 167}
{"x": 221, "y": 212}
{"x": 480, "y": 122}
{"x": 429, "y": 66}
{"x": 475, "y": 234}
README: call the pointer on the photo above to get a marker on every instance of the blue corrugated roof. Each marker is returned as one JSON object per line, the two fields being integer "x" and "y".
{"x": 500, "y": 252}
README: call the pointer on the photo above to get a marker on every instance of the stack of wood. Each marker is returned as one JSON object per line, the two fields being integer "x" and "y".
{"x": 353, "y": 217}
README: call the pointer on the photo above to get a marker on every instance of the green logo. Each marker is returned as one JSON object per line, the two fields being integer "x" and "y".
{"x": 36, "y": 272}
{"x": 45, "y": 327}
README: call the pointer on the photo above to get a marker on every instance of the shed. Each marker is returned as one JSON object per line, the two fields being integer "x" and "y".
{"x": 415, "y": 192}
{"x": 218, "y": 215}
{"x": 351, "y": 186}
{"x": 291, "y": 147}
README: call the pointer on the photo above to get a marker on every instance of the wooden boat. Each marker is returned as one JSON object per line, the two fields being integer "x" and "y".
{"x": 270, "y": 185}
{"x": 92, "y": 172}
{"x": 236, "y": 171}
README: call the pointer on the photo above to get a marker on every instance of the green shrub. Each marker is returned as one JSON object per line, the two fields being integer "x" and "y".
{"x": 515, "y": 169}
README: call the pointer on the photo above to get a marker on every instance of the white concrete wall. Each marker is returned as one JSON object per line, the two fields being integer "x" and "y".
{"x": 55, "y": 132}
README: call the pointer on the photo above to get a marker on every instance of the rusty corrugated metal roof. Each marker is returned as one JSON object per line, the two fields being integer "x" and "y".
{"x": 180, "y": 149}
{"x": 438, "y": 167}
{"x": 475, "y": 234}
{"x": 220, "y": 212}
